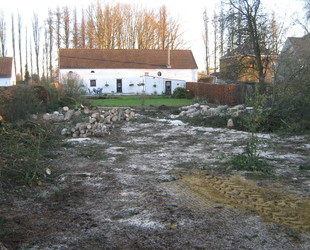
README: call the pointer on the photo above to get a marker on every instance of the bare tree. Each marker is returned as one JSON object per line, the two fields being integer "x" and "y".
{"x": 2, "y": 35}
{"x": 19, "y": 23}
{"x": 45, "y": 58}
{"x": 82, "y": 42}
{"x": 31, "y": 57}
{"x": 307, "y": 8}
{"x": 163, "y": 28}
{"x": 231, "y": 28}
{"x": 222, "y": 27}
{"x": 27, "y": 76}
{"x": 75, "y": 32}
{"x": 91, "y": 31}
{"x": 66, "y": 26}
{"x": 13, "y": 43}
{"x": 254, "y": 19}
{"x": 274, "y": 34}
{"x": 215, "y": 31}
{"x": 36, "y": 39}
{"x": 51, "y": 42}
{"x": 58, "y": 15}
{"x": 206, "y": 39}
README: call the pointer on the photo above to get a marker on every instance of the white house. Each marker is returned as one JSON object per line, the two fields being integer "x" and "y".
{"x": 129, "y": 71}
{"x": 7, "y": 75}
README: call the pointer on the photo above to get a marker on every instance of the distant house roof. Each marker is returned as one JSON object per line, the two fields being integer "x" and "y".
{"x": 300, "y": 46}
{"x": 125, "y": 59}
{"x": 6, "y": 67}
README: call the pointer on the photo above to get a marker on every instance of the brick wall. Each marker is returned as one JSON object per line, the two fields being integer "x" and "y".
{"x": 230, "y": 94}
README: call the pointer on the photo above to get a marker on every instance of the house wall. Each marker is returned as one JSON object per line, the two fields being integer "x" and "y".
{"x": 157, "y": 85}
{"x": 240, "y": 68}
{"x": 6, "y": 82}
{"x": 132, "y": 79}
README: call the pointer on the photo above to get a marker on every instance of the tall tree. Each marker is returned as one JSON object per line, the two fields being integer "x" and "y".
{"x": 222, "y": 27}
{"x": 45, "y": 59}
{"x": 307, "y": 16}
{"x": 215, "y": 34}
{"x": 82, "y": 42}
{"x": 51, "y": 42}
{"x": 13, "y": 43}
{"x": 274, "y": 34}
{"x": 206, "y": 39}
{"x": 31, "y": 57}
{"x": 66, "y": 26}
{"x": 26, "y": 76}
{"x": 58, "y": 15}
{"x": 36, "y": 29}
{"x": 75, "y": 31}
{"x": 19, "y": 24}
{"x": 2, "y": 35}
{"x": 163, "y": 28}
{"x": 251, "y": 13}
{"x": 91, "y": 28}
{"x": 231, "y": 28}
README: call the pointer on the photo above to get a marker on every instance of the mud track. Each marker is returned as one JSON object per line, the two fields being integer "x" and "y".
{"x": 155, "y": 185}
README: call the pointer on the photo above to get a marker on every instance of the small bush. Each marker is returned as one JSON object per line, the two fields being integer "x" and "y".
{"x": 249, "y": 159}
{"x": 21, "y": 160}
{"x": 66, "y": 101}
{"x": 17, "y": 102}
{"x": 180, "y": 93}
{"x": 72, "y": 86}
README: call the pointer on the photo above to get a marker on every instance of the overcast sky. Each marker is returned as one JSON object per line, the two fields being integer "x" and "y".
{"x": 190, "y": 14}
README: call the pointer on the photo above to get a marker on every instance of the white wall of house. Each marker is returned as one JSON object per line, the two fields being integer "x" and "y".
{"x": 133, "y": 81}
{"x": 7, "y": 82}
{"x": 157, "y": 85}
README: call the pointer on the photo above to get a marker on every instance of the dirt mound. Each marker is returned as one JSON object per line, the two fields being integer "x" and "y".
{"x": 270, "y": 203}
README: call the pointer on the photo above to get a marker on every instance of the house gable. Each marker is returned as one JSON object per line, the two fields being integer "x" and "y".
{"x": 298, "y": 46}
{"x": 6, "y": 67}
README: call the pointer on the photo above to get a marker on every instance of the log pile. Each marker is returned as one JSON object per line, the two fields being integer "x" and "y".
{"x": 98, "y": 122}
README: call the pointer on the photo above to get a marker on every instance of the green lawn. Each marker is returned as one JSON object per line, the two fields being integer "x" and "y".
{"x": 140, "y": 101}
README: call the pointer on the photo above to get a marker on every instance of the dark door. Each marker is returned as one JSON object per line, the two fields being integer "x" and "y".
{"x": 119, "y": 86}
{"x": 168, "y": 87}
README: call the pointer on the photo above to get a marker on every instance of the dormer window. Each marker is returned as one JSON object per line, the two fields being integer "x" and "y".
{"x": 92, "y": 71}
{"x": 70, "y": 72}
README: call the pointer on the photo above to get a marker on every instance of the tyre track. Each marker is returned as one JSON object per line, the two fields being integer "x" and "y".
{"x": 282, "y": 208}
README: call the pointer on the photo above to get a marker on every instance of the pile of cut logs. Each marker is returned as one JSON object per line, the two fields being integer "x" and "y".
{"x": 98, "y": 123}
{"x": 94, "y": 122}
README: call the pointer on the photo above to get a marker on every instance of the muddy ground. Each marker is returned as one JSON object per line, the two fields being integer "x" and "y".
{"x": 161, "y": 184}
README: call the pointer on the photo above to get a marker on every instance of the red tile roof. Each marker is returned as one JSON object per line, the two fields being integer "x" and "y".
{"x": 6, "y": 67}
{"x": 125, "y": 59}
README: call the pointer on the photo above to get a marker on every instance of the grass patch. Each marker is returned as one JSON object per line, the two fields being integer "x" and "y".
{"x": 140, "y": 101}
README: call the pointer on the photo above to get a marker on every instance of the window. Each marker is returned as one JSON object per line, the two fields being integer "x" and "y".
{"x": 93, "y": 83}
{"x": 92, "y": 71}
{"x": 146, "y": 73}
{"x": 70, "y": 72}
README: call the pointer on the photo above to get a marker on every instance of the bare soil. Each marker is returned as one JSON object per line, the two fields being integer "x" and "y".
{"x": 160, "y": 184}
